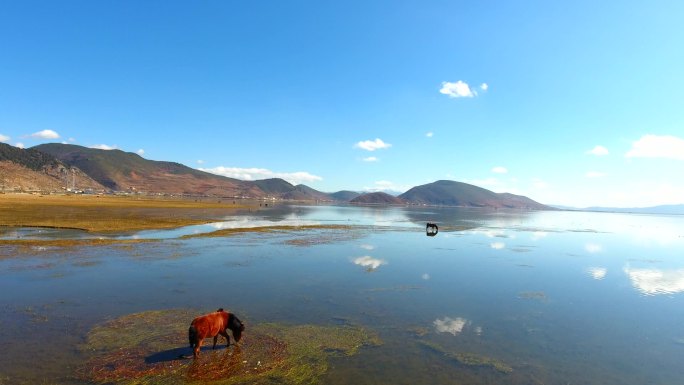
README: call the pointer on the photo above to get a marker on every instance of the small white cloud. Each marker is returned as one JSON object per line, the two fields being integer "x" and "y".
{"x": 369, "y": 262}
{"x": 45, "y": 134}
{"x": 500, "y": 170}
{"x": 539, "y": 184}
{"x": 372, "y": 145}
{"x": 262, "y": 173}
{"x": 595, "y": 174}
{"x": 497, "y": 245}
{"x": 19, "y": 145}
{"x": 654, "y": 146}
{"x": 370, "y": 159}
{"x": 429, "y": 134}
{"x": 105, "y": 147}
{"x": 4, "y": 138}
{"x": 72, "y": 140}
{"x": 484, "y": 86}
{"x": 598, "y": 151}
{"x": 459, "y": 89}
{"x": 200, "y": 161}
{"x": 385, "y": 185}
{"x": 141, "y": 152}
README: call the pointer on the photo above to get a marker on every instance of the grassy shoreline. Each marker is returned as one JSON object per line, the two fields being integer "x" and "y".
{"x": 111, "y": 213}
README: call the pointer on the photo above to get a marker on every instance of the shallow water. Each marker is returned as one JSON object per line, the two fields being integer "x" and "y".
{"x": 559, "y": 297}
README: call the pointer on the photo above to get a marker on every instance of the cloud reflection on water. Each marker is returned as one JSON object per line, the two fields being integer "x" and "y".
{"x": 497, "y": 245}
{"x": 455, "y": 326}
{"x": 369, "y": 262}
{"x": 656, "y": 281}
{"x": 597, "y": 273}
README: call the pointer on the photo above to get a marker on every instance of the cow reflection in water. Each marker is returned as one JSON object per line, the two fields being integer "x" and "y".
{"x": 211, "y": 325}
{"x": 431, "y": 229}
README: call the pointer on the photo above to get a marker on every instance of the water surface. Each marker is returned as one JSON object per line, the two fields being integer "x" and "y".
{"x": 559, "y": 297}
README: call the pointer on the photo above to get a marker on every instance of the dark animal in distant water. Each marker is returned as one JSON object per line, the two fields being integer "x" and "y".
{"x": 431, "y": 229}
{"x": 211, "y": 325}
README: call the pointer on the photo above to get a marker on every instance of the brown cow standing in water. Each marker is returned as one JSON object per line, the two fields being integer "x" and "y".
{"x": 211, "y": 325}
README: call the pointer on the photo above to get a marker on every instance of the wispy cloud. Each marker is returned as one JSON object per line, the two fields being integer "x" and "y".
{"x": 597, "y": 273}
{"x": 484, "y": 86}
{"x": 385, "y": 185}
{"x": 593, "y": 248}
{"x": 429, "y": 134}
{"x": 595, "y": 174}
{"x": 372, "y": 145}
{"x": 459, "y": 89}
{"x": 262, "y": 173}
{"x": 19, "y": 145}
{"x": 4, "y": 138}
{"x": 200, "y": 161}
{"x": 105, "y": 147}
{"x": 500, "y": 170}
{"x": 655, "y": 146}
{"x": 371, "y": 159}
{"x": 45, "y": 134}
{"x": 141, "y": 152}
{"x": 598, "y": 151}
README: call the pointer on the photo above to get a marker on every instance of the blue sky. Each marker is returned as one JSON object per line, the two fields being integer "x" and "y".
{"x": 568, "y": 102}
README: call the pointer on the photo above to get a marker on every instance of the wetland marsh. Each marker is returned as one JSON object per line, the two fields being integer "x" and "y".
{"x": 347, "y": 294}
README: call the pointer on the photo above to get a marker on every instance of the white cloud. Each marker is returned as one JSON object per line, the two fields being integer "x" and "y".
{"x": 539, "y": 184}
{"x": 72, "y": 140}
{"x": 385, "y": 185}
{"x": 141, "y": 152}
{"x": 484, "y": 86}
{"x": 19, "y": 145}
{"x": 654, "y": 146}
{"x": 105, "y": 147}
{"x": 497, "y": 245}
{"x": 370, "y": 159}
{"x": 429, "y": 134}
{"x": 598, "y": 151}
{"x": 372, "y": 145}
{"x": 459, "y": 89}
{"x": 200, "y": 161}
{"x": 450, "y": 325}
{"x": 369, "y": 262}
{"x": 45, "y": 134}
{"x": 262, "y": 173}
{"x": 4, "y": 138}
{"x": 500, "y": 170}
{"x": 595, "y": 174}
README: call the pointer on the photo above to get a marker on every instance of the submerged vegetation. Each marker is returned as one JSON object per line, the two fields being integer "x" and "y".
{"x": 107, "y": 213}
{"x": 470, "y": 359}
{"x": 149, "y": 348}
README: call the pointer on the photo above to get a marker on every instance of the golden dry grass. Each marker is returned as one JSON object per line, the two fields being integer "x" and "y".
{"x": 109, "y": 213}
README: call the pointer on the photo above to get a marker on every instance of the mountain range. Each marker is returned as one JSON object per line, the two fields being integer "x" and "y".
{"x": 58, "y": 167}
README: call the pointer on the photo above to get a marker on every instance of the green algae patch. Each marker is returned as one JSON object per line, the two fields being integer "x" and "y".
{"x": 152, "y": 348}
{"x": 470, "y": 359}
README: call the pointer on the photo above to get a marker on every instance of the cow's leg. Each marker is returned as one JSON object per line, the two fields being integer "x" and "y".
{"x": 215, "y": 339}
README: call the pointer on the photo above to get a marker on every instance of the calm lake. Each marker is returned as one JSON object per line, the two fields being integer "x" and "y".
{"x": 554, "y": 297}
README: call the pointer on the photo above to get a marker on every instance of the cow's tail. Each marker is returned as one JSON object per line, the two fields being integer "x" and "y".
{"x": 192, "y": 336}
